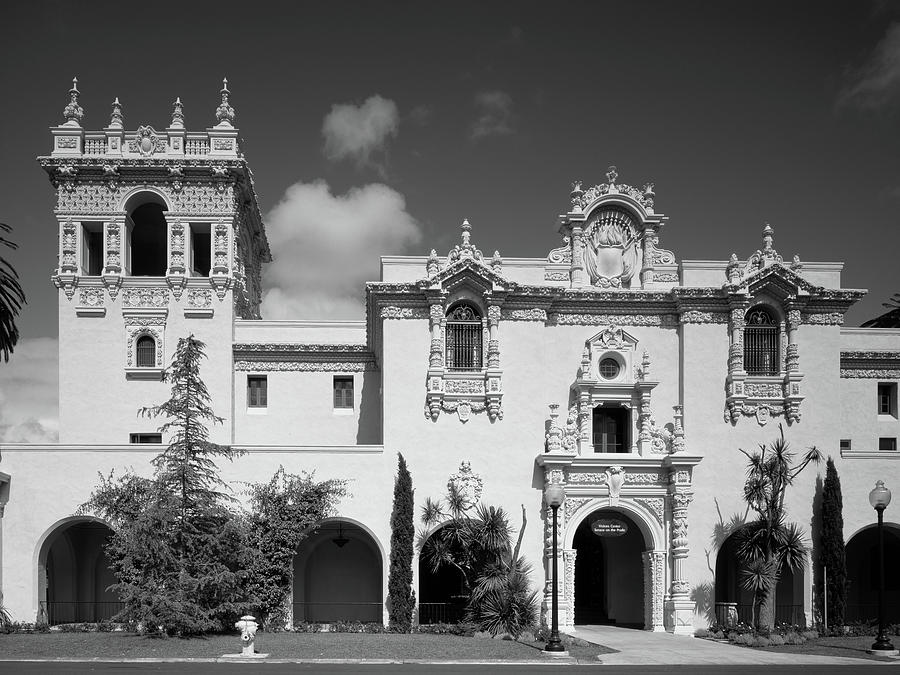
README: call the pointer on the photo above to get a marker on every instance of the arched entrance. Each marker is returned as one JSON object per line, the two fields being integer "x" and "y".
{"x": 74, "y": 574}
{"x": 338, "y": 575}
{"x": 728, "y": 591}
{"x": 442, "y": 595}
{"x": 863, "y": 578}
{"x": 609, "y": 570}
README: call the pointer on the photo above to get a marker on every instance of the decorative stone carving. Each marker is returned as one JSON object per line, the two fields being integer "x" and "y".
{"x": 90, "y": 297}
{"x": 662, "y": 320}
{"x": 145, "y": 297}
{"x": 535, "y": 314}
{"x": 561, "y": 255}
{"x": 696, "y": 316}
{"x": 305, "y": 366}
{"x": 569, "y": 556}
{"x": 826, "y": 319}
{"x": 660, "y": 439}
{"x": 588, "y": 478}
{"x": 467, "y": 483}
{"x": 611, "y": 337}
{"x": 655, "y": 505}
{"x": 73, "y": 112}
{"x": 572, "y": 505}
{"x": 147, "y": 142}
{"x": 464, "y": 386}
{"x": 612, "y": 252}
{"x": 550, "y": 275}
{"x": 392, "y": 312}
{"x": 615, "y": 478}
{"x": 763, "y": 390}
{"x": 199, "y": 298}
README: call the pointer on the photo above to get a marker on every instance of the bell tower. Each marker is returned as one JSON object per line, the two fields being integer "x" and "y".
{"x": 160, "y": 236}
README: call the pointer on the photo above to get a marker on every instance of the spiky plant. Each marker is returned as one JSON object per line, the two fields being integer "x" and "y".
{"x": 769, "y": 540}
{"x": 12, "y": 297}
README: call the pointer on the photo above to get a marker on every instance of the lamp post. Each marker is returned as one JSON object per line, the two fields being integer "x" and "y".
{"x": 879, "y": 498}
{"x": 554, "y": 496}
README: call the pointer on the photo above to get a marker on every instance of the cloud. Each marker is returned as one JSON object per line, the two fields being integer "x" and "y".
{"x": 327, "y": 246}
{"x": 359, "y": 132}
{"x": 494, "y": 115}
{"x": 421, "y": 115}
{"x": 878, "y": 80}
{"x": 29, "y": 393}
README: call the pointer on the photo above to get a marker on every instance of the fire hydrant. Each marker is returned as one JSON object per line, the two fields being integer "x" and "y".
{"x": 248, "y": 627}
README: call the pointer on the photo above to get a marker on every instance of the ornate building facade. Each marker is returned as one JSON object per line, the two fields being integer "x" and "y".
{"x": 655, "y": 370}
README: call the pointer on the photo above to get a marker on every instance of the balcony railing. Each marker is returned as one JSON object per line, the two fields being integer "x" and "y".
{"x": 729, "y": 614}
{"x": 58, "y": 612}
{"x": 329, "y": 612}
{"x": 441, "y": 612}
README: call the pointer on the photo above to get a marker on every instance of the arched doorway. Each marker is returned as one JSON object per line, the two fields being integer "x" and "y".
{"x": 338, "y": 575}
{"x": 728, "y": 591}
{"x": 863, "y": 577}
{"x": 442, "y": 595}
{"x": 75, "y": 575}
{"x": 609, "y": 570}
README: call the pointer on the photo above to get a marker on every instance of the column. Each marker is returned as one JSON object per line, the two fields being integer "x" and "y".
{"x": 680, "y": 607}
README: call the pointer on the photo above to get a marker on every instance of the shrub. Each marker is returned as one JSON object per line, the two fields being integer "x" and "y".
{"x": 777, "y": 639}
{"x": 701, "y": 633}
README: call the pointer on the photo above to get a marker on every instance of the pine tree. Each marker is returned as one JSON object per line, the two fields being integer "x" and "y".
{"x": 177, "y": 547}
{"x": 401, "y": 601}
{"x": 833, "y": 555}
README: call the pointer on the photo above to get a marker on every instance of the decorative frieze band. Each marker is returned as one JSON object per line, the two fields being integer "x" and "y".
{"x": 661, "y": 320}
{"x": 697, "y": 316}
{"x": 535, "y": 314}
{"x": 394, "y": 312}
{"x": 305, "y": 366}
{"x": 871, "y": 364}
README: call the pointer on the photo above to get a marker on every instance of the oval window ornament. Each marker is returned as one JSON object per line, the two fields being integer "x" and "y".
{"x": 609, "y": 527}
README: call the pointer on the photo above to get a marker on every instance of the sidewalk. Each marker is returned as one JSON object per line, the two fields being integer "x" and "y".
{"x": 640, "y": 647}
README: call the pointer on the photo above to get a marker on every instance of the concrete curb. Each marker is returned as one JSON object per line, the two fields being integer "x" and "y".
{"x": 564, "y": 661}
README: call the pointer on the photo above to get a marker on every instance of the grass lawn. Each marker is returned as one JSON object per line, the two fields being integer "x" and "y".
{"x": 834, "y": 646}
{"x": 277, "y": 645}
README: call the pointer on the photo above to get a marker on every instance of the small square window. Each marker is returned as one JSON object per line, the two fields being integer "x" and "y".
{"x": 845, "y": 445}
{"x": 145, "y": 438}
{"x": 257, "y": 391}
{"x": 887, "y": 398}
{"x": 343, "y": 393}
{"x": 887, "y": 444}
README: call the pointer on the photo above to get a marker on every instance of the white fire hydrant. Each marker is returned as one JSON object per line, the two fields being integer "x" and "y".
{"x": 248, "y": 627}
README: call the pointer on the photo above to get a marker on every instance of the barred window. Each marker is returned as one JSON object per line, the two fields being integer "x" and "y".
{"x": 761, "y": 342}
{"x": 146, "y": 352}
{"x": 464, "y": 338}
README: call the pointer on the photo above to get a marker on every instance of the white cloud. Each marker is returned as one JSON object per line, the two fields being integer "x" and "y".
{"x": 327, "y": 246}
{"x": 358, "y": 133}
{"x": 495, "y": 113}
{"x": 29, "y": 393}
{"x": 878, "y": 80}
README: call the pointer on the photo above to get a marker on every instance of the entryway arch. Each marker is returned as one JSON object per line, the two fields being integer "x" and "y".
{"x": 863, "y": 578}
{"x": 615, "y": 566}
{"x": 338, "y": 574}
{"x": 789, "y": 593}
{"x": 73, "y": 573}
{"x": 442, "y": 595}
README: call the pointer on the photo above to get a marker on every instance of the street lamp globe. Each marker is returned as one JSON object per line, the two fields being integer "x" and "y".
{"x": 880, "y": 496}
{"x": 555, "y": 494}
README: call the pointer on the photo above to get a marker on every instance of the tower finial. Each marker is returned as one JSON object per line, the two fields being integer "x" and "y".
{"x": 73, "y": 112}
{"x": 612, "y": 174}
{"x": 225, "y": 113}
{"x": 177, "y": 114}
{"x": 115, "y": 119}
{"x": 466, "y": 229}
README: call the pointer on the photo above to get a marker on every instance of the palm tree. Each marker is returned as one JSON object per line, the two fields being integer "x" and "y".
{"x": 769, "y": 544}
{"x": 476, "y": 540}
{"x": 890, "y": 319}
{"x": 11, "y": 299}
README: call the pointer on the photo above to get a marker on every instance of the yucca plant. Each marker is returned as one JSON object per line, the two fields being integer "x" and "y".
{"x": 476, "y": 540}
{"x": 12, "y": 297}
{"x": 768, "y": 544}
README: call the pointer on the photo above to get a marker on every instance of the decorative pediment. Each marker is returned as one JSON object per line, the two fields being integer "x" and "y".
{"x": 462, "y": 258}
{"x": 612, "y": 337}
{"x": 467, "y": 271}
{"x": 766, "y": 268}
{"x": 779, "y": 281}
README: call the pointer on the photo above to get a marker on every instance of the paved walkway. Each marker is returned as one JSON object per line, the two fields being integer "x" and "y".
{"x": 641, "y": 647}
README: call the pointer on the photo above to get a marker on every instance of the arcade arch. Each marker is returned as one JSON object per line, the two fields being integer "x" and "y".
{"x": 789, "y": 593}
{"x": 442, "y": 595}
{"x": 338, "y": 574}
{"x": 863, "y": 578}
{"x": 74, "y": 575}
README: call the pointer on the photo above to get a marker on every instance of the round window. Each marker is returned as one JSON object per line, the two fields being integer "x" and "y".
{"x": 609, "y": 369}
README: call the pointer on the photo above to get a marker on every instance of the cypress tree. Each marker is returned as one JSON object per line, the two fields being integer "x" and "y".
{"x": 833, "y": 554}
{"x": 401, "y": 600}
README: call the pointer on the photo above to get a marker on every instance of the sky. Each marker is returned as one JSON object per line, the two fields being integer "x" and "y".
{"x": 374, "y": 128}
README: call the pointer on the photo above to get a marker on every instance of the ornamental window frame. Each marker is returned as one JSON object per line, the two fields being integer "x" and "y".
{"x": 462, "y": 335}
{"x": 145, "y": 357}
{"x": 762, "y": 342}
